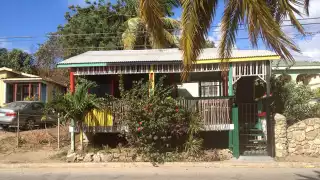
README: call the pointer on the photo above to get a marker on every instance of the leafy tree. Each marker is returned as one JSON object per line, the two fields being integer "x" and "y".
{"x": 77, "y": 105}
{"x": 209, "y": 44}
{"x": 262, "y": 19}
{"x": 96, "y": 27}
{"x": 48, "y": 55}
{"x": 136, "y": 35}
{"x": 17, "y": 60}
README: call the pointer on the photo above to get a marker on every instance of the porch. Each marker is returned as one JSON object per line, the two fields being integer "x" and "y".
{"x": 21, "y": 89}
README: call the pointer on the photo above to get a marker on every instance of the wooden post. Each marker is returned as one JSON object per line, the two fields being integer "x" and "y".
{"x": 230, "y": 93}
{"x": 29, "y": 89}
{"x": 72, "y": 89}
{"x": 18, "y": 129}
{"x": 58, "y": 131}
{"x": 270, "y": 128}
{"x": 151, "y": 81}
{"x": 15, "y": 90}
{"x": 72, "y": 84}
{"x": 235, "y": 120}
{"x": 39, "y": 91}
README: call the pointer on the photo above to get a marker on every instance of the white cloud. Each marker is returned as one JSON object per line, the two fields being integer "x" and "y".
{"x": 309, "y": 46}
{"x": 5, "y": 44}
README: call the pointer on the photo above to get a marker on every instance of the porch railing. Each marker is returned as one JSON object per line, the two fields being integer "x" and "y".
{"x": 215, "y": 114}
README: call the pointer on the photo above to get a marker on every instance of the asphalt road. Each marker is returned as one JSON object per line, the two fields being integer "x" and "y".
{"x": 161, "y": 174}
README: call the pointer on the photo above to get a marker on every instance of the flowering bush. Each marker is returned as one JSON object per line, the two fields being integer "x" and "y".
{"x": 156, "y": 123}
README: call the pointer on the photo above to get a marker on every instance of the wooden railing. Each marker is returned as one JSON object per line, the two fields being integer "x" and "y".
{"x": 215, "y": 113}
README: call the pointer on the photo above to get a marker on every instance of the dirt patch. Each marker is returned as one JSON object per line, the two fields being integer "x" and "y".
{"x": 34, "y": 146}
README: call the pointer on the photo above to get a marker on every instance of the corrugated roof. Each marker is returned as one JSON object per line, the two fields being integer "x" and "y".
{"x": 154, "y": 55}
{"x": 300, "y": 60}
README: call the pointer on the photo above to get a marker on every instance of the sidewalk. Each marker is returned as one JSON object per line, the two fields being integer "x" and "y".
{"x": 226, "y": 164}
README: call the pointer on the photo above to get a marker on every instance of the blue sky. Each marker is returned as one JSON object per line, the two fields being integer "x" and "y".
{"x": 39, "y": 17}
{"x": 23, "y": 18}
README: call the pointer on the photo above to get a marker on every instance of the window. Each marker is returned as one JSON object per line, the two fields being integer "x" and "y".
{"x": 210, "y": 89}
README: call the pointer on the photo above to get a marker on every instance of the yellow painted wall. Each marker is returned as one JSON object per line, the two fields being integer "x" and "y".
{"x": 2, "y": 93}
{"x": 4, "y": 75}
{"x": 99, "y": 118}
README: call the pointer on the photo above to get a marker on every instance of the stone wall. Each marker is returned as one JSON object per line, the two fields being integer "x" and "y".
{"x": 302, "y": 138}
{"x": 280, "y": 132}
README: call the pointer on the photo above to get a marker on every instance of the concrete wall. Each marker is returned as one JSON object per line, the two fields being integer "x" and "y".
{"x": 301, "y": 138}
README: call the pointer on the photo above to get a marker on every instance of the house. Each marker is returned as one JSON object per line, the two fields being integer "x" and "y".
{"x": 19, "y": 86}
{"x": 228, "y": 103}
{"x": 305, "y": 69}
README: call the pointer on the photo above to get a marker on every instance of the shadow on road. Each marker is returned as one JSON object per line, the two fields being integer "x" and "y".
{"x": 303, "y": 177}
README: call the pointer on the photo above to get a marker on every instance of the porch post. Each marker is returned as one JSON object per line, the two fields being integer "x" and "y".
{"x": 15, "y": 90}
{"x": 151, "y": 80}
{"x": 72, "y": 85}
{"x": 29, "y": 90}
{"x": 235, "y": 119}
{"x": 72, "y": 88}
{"x": 270, "y": 128}
{"x": 39, "y": 91}
{"x": 230, "y": 93}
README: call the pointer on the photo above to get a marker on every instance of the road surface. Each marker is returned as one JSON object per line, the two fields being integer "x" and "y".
{"x": 161, "y": 173}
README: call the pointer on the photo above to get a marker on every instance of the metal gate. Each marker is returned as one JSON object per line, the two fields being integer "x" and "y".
{"x": 252, "y": 139}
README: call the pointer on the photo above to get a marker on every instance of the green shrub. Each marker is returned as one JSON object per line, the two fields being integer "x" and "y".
{"x": 292, "y": 100}
{"x": 157, "y": 124}
{"x": 297, "y": 98}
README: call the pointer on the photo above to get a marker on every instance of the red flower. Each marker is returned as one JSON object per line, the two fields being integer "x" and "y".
{"x": 139, "y": 129}
{"x": 140, "y": 122}
{"x": 177, "y": 109}
{"x": 262, "y": 114}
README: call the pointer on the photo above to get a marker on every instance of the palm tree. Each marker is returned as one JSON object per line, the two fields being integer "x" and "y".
{"x": 136, "y": 34}
{"x": 262, "y": 18}
{"x": 75, "y": 106}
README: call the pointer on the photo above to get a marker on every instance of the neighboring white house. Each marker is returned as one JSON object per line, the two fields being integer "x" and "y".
{"x": 303, "y": 65}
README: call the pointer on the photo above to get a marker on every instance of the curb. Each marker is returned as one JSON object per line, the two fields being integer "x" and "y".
{"x": 166, "y": 165}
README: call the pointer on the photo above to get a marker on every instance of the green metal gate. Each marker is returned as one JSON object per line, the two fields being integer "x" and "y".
{"x": 253, "y": 141}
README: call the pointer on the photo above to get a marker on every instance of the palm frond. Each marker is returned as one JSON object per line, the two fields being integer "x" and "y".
{"x": 172, "y": 39}
{"x": 260, "y": 20}
{"x": 196, "y": 19}
{"x": 289, "y": 9}
{"x": 231, "y": 19}
{"x": 269, "y": 28}
{"x": 130, "y": 35}
{"x": 170, "y": 23}
{"x": 306, "y": 6}
{"x": 151, "y": 12}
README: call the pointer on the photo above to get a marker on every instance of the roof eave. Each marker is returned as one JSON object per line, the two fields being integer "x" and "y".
{"x": 202, "y": 61}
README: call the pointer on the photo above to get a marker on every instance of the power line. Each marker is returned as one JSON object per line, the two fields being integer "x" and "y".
{"x": 121, "y": 32}
{"x": 140, "y": 36}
